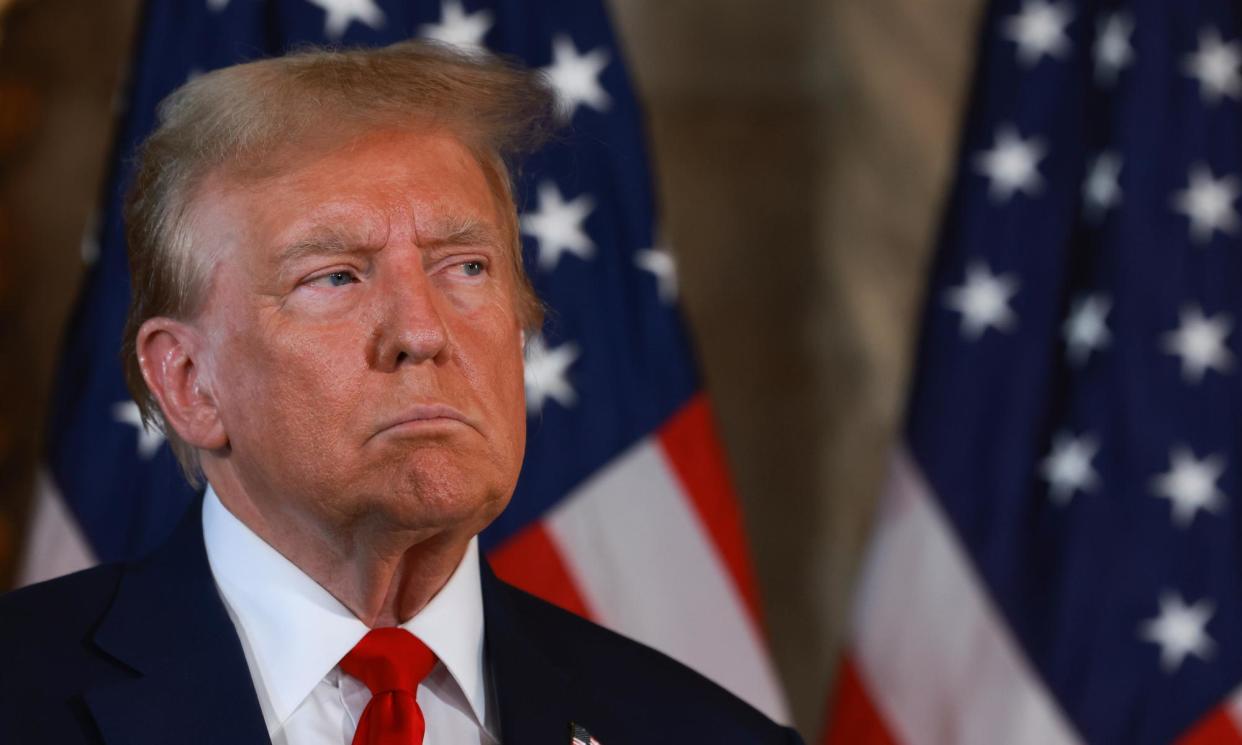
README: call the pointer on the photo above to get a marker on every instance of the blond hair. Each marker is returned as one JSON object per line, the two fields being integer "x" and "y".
{"x": 241, "y": 120}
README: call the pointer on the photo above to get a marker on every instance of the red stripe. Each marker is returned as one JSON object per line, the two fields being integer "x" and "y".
{"x": 1217, "y": 728}
{"x": 690, "y": 443}
{"x": 853, "y": 718}
{"x": 530, "y": 560}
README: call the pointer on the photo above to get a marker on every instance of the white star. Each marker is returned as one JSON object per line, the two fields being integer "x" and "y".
{"x": 1067, "y": 468}
{"x": 1101, "y": 190}
{"x": 1215, "y": 65}
{"x": 1039, "y": 29}
{"x": 216, "y": 6}
{"x": 456, "y": 27}
{"x": 547, "y": 374}
{"x": 660, "y": 263}
{"x": 149, "y": 438}
{"x": 983, "y": 301}
{"x": 1113, "y": 52}
{"x": 1190, "y": 484}
{"x": 575, "y": 77}
{"x": 557, "y": 226}
{"x": 1208, "y": 202}
{"x": 1180, "y": 630}
{"x": 1011, "y": 165}
{"x": 1200, "y": 342}
{"x": 1085, "y": 330}
{"x": 340, "y": 13}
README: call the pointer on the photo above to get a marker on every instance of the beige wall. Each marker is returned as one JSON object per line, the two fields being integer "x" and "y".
{"x": 59, "y": 63}
{"x": 802, "y": 147}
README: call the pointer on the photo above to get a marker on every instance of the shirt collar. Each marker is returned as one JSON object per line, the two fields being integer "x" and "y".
{"x": 297, "y": 631}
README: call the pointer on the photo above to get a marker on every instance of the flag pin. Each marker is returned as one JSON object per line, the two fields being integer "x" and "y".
{"x": 581, "y": 736}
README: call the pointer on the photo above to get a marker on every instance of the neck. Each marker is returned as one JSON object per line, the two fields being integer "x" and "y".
{"x": 382, "y": 574}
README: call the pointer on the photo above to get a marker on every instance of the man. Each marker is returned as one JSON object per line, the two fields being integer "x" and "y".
{"x": 328, "y": 316}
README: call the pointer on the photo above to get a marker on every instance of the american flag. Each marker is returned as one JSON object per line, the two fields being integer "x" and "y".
{"x": 624, "y": 512}
{"x": 1057, "y": 551}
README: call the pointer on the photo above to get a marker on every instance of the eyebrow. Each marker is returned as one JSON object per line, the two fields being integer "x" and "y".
{"x": 323, "y": 241}
{"x": 328, "y": 240}
{"x": 467, "y": 231}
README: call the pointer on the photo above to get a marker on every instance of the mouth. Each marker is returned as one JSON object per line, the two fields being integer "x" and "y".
{"x": 424, "y": 417}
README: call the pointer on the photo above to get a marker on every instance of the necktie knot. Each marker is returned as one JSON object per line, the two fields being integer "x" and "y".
{"x": 389, "y": 659}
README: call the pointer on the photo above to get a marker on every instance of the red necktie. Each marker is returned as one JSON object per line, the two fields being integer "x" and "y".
{"x": 391, "y": 662}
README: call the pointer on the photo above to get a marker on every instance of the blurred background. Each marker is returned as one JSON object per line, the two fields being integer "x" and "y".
{"x": 802, "y": 149}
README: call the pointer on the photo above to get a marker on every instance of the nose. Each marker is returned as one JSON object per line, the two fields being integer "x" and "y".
{"x": 411, "y": 325}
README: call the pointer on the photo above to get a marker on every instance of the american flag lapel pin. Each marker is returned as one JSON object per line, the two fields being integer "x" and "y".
{"x": 580, "y": 736}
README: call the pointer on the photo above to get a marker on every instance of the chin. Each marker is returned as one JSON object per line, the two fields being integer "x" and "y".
{"x": 442, "y": 498}
{"x": 433, "y": 485}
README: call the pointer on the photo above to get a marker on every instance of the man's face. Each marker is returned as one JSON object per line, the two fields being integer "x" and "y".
{"x": 363, "y": 345}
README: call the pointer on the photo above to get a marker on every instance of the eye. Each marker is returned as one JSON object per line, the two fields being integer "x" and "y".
{"x": 337, "y": 279}
{"x": 473, "y": 268}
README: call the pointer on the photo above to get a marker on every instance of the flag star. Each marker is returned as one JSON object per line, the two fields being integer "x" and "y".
{"x": 340, "y": 13}
{"x": 660, "y": 263}
{"x": 1200, "y": 342}
{"x": 216, "y": 6}
{"x": 1180, "y": 630}
{"x": 575, "y": 77}
{"x": 1085, "y": 329}
{"x": 1190, "y": 484}
{"x": 546, "y": 374}
{"x": 1067, "y": 468}
{"x": 149, "y": 438}
{"x": 1113, "y": 52}
{"x": 1038, "y": 30}
{"x": 1215, "y": 65}
{"x": 557, "y": 226}
{"x": 1208, "y": 202}
{"x": 459, "y": 28}
{"x": 1011, "y": 165}
{"x": 1101, "y": 189}
{"x": 983, "y": 301}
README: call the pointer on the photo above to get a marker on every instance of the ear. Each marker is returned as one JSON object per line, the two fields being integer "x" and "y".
{"x": 170, "y": 355}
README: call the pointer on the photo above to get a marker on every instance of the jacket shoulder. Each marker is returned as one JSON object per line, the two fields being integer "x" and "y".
{"x": 46, "y": 628}
{"x": 52, "y": 608}
{"x": 652, "y": 685}
{"x": 47, "y": 655}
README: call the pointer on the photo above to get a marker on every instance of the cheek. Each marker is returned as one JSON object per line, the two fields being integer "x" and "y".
{"x": 294, "y": 385}
{"x": 515, "y": 393}
{"x": 491, "y": 355}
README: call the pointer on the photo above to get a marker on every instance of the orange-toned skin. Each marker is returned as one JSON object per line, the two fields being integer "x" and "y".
{"x": 301, "y": 380}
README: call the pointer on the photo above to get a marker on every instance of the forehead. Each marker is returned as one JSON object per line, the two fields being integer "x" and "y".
{"x": 369, "y": 188}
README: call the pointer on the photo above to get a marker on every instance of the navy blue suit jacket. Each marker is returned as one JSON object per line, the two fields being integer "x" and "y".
{"x": 145, "y": 653}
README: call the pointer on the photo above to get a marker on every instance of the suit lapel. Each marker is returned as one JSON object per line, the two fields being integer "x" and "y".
{"x": 169, "y": 625}
{"x": 536, "y": 699}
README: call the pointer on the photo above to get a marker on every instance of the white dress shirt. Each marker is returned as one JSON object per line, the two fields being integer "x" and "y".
{"x": 294, "y": 634}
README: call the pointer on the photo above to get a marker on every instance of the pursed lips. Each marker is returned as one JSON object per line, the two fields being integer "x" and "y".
{"x": 428, "y": 413}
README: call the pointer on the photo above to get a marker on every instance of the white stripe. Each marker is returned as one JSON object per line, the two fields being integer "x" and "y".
{"x": 1233, "y": 706}
{"x": 54, "y": 543}
{"x": 647, "y": 567}
{"x": 936, "y": 655}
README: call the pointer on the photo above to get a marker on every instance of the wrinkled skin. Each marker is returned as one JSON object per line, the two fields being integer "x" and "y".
{"x": 352, "y": 287}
